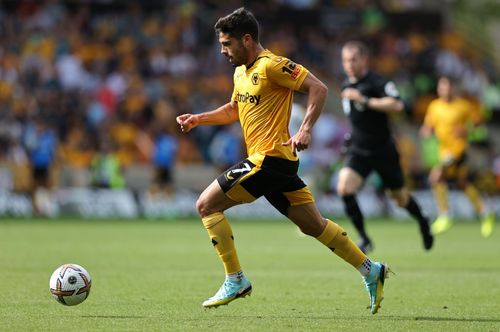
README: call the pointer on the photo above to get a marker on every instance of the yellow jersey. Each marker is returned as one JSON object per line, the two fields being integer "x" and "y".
{"x": 446, "y": 118}
{"x": 264, "y": 93}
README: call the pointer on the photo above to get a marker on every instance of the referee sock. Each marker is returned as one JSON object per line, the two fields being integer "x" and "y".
{"x": 336, "y": 239}
{"x": 220, "y": 233}
{"x": 353, "y": 211}
{"x": 414, "y": 209}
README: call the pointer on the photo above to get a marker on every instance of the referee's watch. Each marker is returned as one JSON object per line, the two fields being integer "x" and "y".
{"x": 364, "y": 102}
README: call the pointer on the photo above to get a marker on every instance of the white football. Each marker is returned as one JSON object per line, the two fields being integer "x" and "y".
{"x": 70, "y": 284}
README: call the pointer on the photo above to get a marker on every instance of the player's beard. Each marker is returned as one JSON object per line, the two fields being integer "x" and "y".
{"x": 239, "y": 57}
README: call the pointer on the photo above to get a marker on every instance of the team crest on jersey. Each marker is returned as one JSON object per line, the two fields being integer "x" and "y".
{"x": 255, "y": 78}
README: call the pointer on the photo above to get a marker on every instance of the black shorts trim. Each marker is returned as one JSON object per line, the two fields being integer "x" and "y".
{"x": 458, "y": 162}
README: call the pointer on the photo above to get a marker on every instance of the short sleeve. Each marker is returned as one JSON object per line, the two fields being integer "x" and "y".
{"x": 233, "y": 96}
{"x": 389, "y": 89}
{"x": 286, "y": 73}
{"x": 474, "y": 112}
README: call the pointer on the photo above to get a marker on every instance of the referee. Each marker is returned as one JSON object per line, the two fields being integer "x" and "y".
{"x": 367, "y": 98}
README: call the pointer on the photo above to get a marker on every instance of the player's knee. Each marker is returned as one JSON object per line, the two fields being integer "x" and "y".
{"x": 344, "y": 190}
{"x": 401, "y": 200}
{"x": 202, "y": 207}
{"x": 314, "y": 228}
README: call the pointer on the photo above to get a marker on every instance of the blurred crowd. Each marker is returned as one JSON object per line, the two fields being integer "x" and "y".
{"x": 96, "y": 85}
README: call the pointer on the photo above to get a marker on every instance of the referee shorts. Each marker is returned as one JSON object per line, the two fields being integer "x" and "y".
{"x": 385, "y": 162}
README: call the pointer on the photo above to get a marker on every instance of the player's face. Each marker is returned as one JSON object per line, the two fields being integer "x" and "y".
{"x": 233, "y": 49}
{"x": 444, "y": 88}
{"x": 353, "y": 62}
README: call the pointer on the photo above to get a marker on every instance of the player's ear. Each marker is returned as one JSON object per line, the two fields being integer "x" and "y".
{"x": 247, "y": 40}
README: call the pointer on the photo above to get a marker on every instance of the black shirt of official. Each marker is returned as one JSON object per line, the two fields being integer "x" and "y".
{"x": 370, "y": 132}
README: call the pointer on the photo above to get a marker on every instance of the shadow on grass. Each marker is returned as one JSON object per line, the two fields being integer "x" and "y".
{"x": 378, "y": 317}
{"x": 451, "y": 319}
{"x": 114, "y": 316}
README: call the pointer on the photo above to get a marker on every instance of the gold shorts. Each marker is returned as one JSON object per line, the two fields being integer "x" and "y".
{"x": 455, "y": 168}
{"x": 276, "y": 179}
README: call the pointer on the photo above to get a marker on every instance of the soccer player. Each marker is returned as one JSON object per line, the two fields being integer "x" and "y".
{"x": 448, "y": 117}
{"x": 264, "y": 86}
{"x": 367, "y": 98}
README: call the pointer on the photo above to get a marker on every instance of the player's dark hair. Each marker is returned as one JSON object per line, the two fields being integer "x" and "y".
{"x": 238, "y": 23}
{"x": 454, "y": 81}
{"x": 360, "y": 46}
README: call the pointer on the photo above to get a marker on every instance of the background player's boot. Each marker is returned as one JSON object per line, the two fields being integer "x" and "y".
{"x": 231, "y": 289}
{"x": 487, "y": 224}
{"x": 442, "y": 224}
{"x": 374, "y": 283}
{"x": 427, "y": 237}
{"x": 365, "y": 244}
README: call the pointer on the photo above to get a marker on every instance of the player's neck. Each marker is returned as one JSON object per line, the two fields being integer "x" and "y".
{"x": 253, "y": 54}
{"x": 356, "y": 78}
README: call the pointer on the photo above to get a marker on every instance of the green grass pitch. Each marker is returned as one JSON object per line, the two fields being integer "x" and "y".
{"x": 153, "y": 276}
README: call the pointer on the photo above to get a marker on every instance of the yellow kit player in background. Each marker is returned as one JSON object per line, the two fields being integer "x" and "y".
{"x": 264, "y": 86}
{"x": 448, "y": 117}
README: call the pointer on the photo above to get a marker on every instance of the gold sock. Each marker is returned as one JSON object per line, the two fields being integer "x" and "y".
{"x": 335, "y": 238}
{"x": 220, "y": 233}
{"x": 441, "y": 194}
{"x": 474, "y": 198}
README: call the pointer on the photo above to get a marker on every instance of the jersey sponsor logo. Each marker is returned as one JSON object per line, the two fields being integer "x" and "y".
{"x": 248, "y": 98}
{"x": 391, "y": 90}
{"x": 255, "y": 78}
{"x": 292, "y": 68}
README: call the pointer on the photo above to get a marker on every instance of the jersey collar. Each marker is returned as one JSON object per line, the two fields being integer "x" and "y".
{"x": 259, "y": 56}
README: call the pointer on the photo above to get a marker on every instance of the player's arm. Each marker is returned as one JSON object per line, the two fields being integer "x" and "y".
{"x": 317, "y": 92}
{"x": 426, "y": 131}
{"x": 223, "y": 115}
{"x": 385, "y": 104}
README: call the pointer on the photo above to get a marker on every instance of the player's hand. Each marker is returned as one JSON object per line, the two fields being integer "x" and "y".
{"x": 353, "y": 94}
{"x": 187, "y": 122}
{"x": 425, "y": 131}
{"x": 461, "y": 132}
{"x": 300, "y": 141}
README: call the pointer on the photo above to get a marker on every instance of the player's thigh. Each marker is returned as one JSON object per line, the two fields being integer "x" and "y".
{"x": 243, "y": 182}
{"x": 295, "y": 193}
{"x": 349, "y": 181}
{"x": 436, "y": 175}
{"x": 213, "y": 199}
{"x": 227, "y": 190}
{"x": 462, "y": 174}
